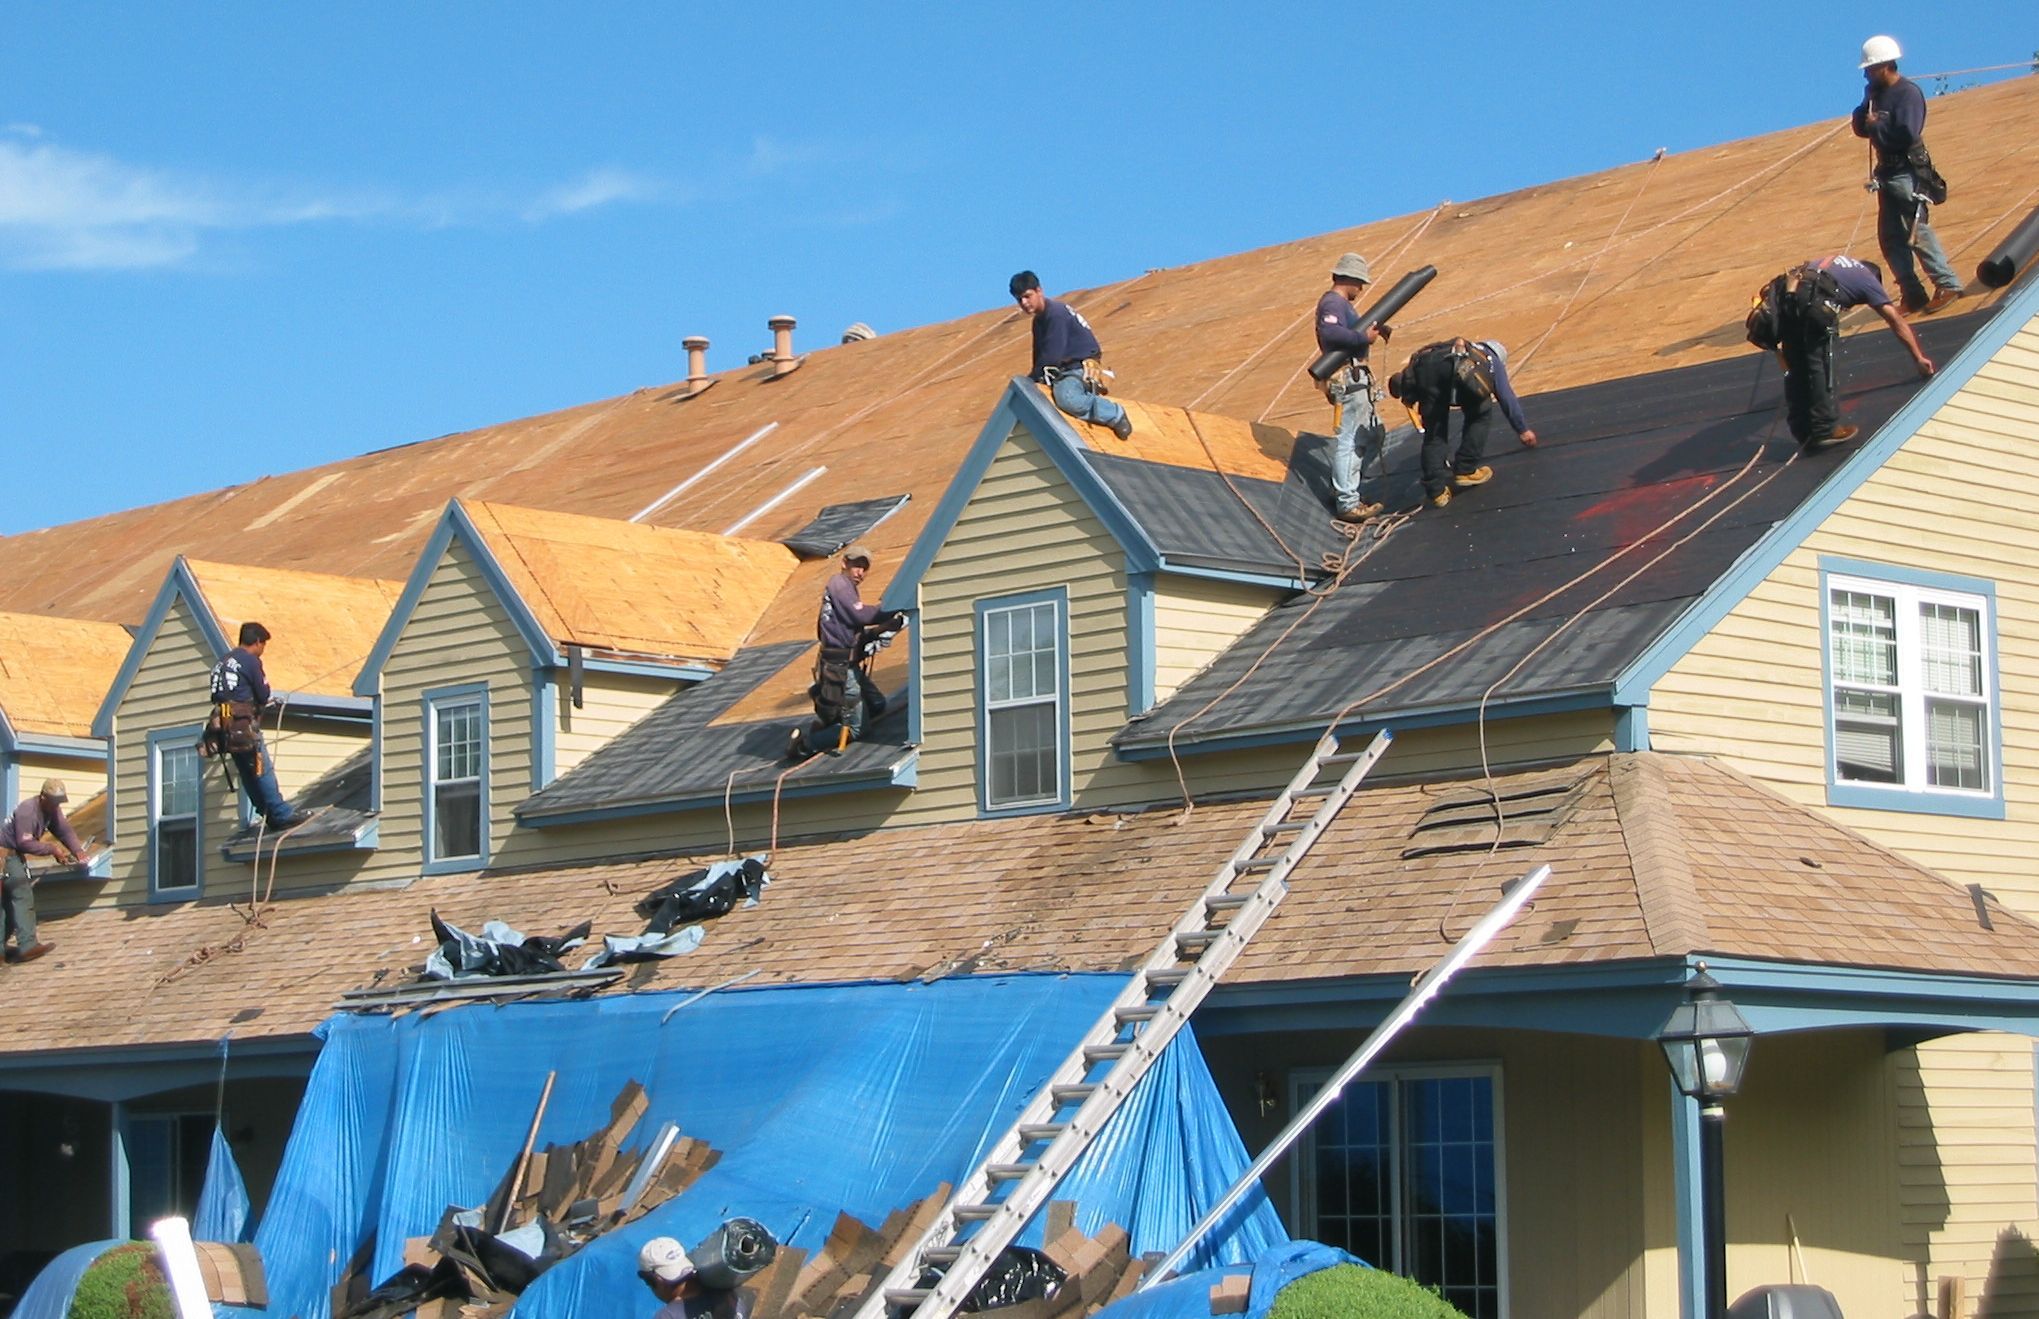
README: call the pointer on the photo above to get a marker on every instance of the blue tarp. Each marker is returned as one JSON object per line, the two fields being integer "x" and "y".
{"x": 1189, "y": 1296}
{"x": 821, "y": 1099}
{"x": 222, "y": 1213}
{"x": 49, "y": 1296}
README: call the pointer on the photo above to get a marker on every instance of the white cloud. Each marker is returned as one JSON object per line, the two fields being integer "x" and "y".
{"x": 79, "y": 210}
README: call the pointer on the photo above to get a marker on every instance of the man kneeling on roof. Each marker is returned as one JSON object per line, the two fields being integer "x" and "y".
{"x": 664, "y": 1266}
{"x": 1805, "y": 304}
{"x": 21, "y": 837}
{"x": 851, "y": 634}
{"x": 1471, "y": 376}
{"x": 1066, "y": 357}
{"x": 1350, "y": 388}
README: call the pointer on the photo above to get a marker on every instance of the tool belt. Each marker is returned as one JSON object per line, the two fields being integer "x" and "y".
{"x": 831, "y": 683}
{"x": 1927, "y": 182}
{"x": 1468, "y": 377}
{"x": 1095, "y": 378}
{"x": 1351, "y": 376}
{"x": 233, "y": 728}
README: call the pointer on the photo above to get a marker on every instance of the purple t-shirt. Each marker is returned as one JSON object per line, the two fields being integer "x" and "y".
{"x": 1860, "y": 286}
{"x": 843, "y": 613}
{"x": 23, "y": 830}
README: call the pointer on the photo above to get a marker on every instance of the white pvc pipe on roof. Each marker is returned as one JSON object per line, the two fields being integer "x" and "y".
{"x": 773, "y": 502}
{"x": 682, "y": 488}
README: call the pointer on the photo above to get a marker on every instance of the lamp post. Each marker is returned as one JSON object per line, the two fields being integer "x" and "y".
{"x": 1706, "y": 1042}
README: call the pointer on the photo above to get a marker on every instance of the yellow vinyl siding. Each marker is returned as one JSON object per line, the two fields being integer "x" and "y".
{"x": 459, "y": 633}
{"x": 83, "y": 780}
{"x": 1195, "y": 619}
{"x": 1960, "y": 497}
{"x": 306, "y": 748}
{"x": 610, "y": 703}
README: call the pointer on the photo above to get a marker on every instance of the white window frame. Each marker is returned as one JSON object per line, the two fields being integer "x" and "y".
{"x": 1907, "y": 600}
{"x": 1056, "y": 602}
{"x": 179, "y": 741}
{"x": 1305, "y": 1082}
{"x": 436, "y": 703}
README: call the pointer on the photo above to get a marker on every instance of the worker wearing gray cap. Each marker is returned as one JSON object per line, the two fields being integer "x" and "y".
{"x": 666, "y": 1268}
{"x": 21, "y": 837}
{"x": 1359, "y": 432}
{"x": 851, "y": 633}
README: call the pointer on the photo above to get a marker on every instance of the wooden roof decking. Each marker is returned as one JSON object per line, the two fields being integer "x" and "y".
{"x": 1696, "y": 233}
{"x": 323, "y": 625}
{"x": 54, "y": 672}
{"x": 1655, "y": 856}
{"x": 634, "y": 589}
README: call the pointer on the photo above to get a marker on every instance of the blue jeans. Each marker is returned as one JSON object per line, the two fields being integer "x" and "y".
{"x": 263, "y": 794}
{"x": 1897, "y": 204}
{"x": 1348, "y": 462}
{"x": 1078, "y": 399}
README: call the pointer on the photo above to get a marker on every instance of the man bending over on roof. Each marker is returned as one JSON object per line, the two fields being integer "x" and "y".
{"x": 1472, "y": 377}
{"x": 1893, "y": 117}
{"x": 665, "y": 1268}
{"x": 851, "y": 633}
{"x": 1350, "y": 389}
{"x": 1066, "y": 357}
{"x": 21, "y": 837}
{"x": 1810, "y": 306}
{"x": 240, "y": 692}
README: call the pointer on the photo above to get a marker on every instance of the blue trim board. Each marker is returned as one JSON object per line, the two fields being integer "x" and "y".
{"x": 544, "y": 726}
{"x": 1273, "y": 579}
{"x": 676, "y": 671}
{"x": 179, "y": 583}
{"x": 10, "y": 782}
{"x": 453, "y": 522}
{"x": 1140, "y": 651}
{"x": 1921, "y": 801}
{"x": 375, "y": 759}
{"x": 1691, "y": 1215}
{"x": 428, "y": 702}
{"x": 186, "y": 736}
{"x": 1059, "y": 597}
{"x": 1021, "y": 406}
{"x": 904, "y": 774}
{"x": 114, "y": 1073}
{"x": 1632, "y": 728}
{"x": 914, "y": 733}
{"x": 1520, "y": 707}
{"x": 1762, "y": 558}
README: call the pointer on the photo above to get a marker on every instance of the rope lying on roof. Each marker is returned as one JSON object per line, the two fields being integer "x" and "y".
{"x": 1606, "y": 247}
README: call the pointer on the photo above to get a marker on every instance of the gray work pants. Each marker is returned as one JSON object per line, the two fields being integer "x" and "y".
{"x": 17, "y": 903}
{"x": 1903, "y": 227}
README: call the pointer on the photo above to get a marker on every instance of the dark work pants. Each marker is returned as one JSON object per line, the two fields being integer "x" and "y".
{"x": 1809, "y": 383}
{"x": 17, "y": 903}
{"x": 825, "y": 737}
{"x": 1437, "y": 381}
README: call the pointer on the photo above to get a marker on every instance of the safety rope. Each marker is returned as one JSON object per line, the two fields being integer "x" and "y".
{"x": 1606, "y": 247}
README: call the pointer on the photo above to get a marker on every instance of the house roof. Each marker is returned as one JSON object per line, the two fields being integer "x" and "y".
{"x": 1629, "y": 270}
{"x": 323, "y": 625}
{"x": 339, "y": 803}
{"x": 55, "y": 671}
{"x": 1642, "y": 493}
{"x": 632, "y": 589}
{"x": 1655, "y": 856}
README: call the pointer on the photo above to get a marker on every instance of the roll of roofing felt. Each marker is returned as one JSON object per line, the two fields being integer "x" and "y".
{"x": 1396, "y": 298}
{"x": 2012, "y": 255}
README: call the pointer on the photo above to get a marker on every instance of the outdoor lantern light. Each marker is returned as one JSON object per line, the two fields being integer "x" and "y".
{"x": 1706, "y": 1041}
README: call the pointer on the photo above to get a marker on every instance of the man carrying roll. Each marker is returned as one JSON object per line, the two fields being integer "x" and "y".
{"x": 1350, "y": 388}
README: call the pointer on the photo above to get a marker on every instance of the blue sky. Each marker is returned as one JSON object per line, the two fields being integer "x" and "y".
{"x": 242, "y": 239}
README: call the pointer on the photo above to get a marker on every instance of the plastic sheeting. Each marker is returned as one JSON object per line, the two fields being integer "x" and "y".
{"x": 821, "y": 1099}
{"x": 1189, "y": 1296}
{"x": 49, "y": 1296}
{"x": 222, "y": 1213}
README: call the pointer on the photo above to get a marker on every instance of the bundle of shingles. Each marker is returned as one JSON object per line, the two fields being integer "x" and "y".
{"x": 558, "y": 1198}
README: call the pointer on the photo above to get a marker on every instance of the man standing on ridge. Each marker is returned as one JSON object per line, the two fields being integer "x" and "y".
{"x": 240, "y": 692}
{"x": 21, "y": 837}
{"x": 1893, "y": 117}
{"x": 1351, "y": 388}
{"x": 1810, "y": 304}
{"x": 1066, "y": 357}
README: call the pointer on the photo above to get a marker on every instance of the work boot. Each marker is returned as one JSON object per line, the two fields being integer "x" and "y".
{"x": 290, "y": 821}
{"x": 1440, "y": 499}
{"x": 1940, "y": 298}
{"x": 1123, "y": 427}
{"x": 1467, "y": 480}
{"x": 1358, "y": 513}
{"x": 35, "y": 950}
{"x": 796, "y": 745}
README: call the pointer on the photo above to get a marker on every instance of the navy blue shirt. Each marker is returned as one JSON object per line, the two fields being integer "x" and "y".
{"x": 1062, "y": 338}
{"x": 1859, "y": 285}
{"x": 1901, "y": 111}
{"x": 1504, "y": 392}
{"x": 1338, "y": 326}
{"x": 239, "y": 677}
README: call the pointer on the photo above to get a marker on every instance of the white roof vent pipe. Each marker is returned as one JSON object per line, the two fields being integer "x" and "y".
{"x": 698, "y": 378}
{"x": 782, "y": 359}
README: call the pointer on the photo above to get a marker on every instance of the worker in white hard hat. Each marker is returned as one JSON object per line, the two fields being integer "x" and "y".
{"x": 1893, "y": 117}
{"x": 1470, "y": 375}
{"x": 665, "y": 1267}
{"x": 1350, "y": 388}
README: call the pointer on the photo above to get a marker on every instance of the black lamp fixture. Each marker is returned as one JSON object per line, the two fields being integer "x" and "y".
{"x": 1706, "y": 1042}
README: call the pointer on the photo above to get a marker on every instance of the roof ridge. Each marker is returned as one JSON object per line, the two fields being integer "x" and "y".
{"x": 1674, "y": 918}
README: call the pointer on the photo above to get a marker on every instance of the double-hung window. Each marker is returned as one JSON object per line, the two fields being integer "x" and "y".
{"x": 456, "y": 773}
{"x": 1404, "y": 1171}
{"x": 1023, "y": 674}
{"x": 176, "y": 783}
{"x": 1911, "y": 687}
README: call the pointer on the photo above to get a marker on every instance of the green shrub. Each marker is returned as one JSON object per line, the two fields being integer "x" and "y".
{"x": 124, "y": 1283}
{"x": 1351, "y": 1291}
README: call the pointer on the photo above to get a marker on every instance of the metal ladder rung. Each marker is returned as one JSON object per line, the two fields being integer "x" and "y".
{"x": 1127, "y": 1015}
{"x": 975, "y": 1213}
{"x": 1007, "y": 1172}
{"x": 1190, "y": 940}
{"x": 903, "y": 1296}
{"x": 940, "y": 1257}
{"x": 1341, "y": 757}
{"x": 1166, "y": 979}
{"x": 1227, "y": 901}
{"x": 1072, "y": 1094}
{"x": 1033, "y": 1131}
{"x": 1284, "y": 826}
{"x": 1259, "y": 863}
{"x": 1098, "y": 1053}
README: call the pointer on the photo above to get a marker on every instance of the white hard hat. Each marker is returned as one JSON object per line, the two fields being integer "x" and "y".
{"x": 1880, "y": 50}
{"x": 1496, "y": 350}
{"x": 665, "y": 1259}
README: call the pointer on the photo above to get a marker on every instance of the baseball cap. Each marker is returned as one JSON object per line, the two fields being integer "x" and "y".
{"x": 665, "y": 1259}
{"x": 54, "y": 790}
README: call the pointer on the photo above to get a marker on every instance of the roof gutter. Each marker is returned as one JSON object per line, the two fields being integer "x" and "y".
{"x": 904, "y": 773}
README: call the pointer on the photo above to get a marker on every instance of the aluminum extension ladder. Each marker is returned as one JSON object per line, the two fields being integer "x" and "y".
{"x": 1060, "y": 1122}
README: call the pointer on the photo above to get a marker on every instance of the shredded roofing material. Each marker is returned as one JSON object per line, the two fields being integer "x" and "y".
{"x": 837, "y": 526}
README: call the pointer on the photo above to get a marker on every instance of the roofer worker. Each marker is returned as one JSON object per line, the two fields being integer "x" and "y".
{"x": 21, "y": 837}
{"x": 1893, "y": 117}
{"x": 1471, "y": 376}
{"x": 850, "y": 633}
{"x": 240, "y": 692}
{"x": 1810, "y": 306}
{"x": 665, "y": 1268}
{"x": 1350, "y": 389}
{"x": 1066, "y": 357}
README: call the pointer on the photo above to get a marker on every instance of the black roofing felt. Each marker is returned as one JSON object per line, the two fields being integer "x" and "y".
{"x": 1196, "y": 521}
{"x": 1616, "y": 461}
{"x": 341, "y": 797}
{"x": 839, "y": 525}
{"x": 678, "y": 754}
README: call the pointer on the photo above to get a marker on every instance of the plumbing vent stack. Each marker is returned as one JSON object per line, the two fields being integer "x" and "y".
{"x": 783, "y": 361}
{"x": 697, "y": 365}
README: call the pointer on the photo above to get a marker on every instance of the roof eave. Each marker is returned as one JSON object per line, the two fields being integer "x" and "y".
{"x": 1154, "y": 747}
{"x": 901, "y": 773}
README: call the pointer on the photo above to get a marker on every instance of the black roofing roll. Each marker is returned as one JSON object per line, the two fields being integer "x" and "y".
{"x": 1396, "y": 298}
{"x": 2015, "y": 253}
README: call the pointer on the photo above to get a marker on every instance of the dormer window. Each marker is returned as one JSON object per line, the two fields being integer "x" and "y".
{"x": 1023, "y": 675}
{"x": 456, "y": 777}
{"x": 175, "y": 782}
